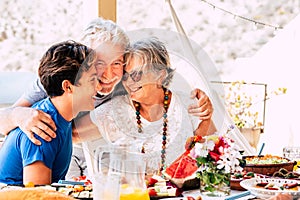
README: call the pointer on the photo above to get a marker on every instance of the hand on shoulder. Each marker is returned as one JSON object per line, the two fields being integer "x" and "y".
{"x": 32, "y": 121}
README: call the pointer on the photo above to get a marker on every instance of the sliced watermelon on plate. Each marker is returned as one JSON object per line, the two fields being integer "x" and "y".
{"x": 182, "y": 169}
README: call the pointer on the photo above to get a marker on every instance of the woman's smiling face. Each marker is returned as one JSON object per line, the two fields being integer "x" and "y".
{"x": 140, "y": 82}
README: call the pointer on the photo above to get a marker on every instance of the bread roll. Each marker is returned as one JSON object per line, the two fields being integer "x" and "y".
{"x": 32, "y": 194}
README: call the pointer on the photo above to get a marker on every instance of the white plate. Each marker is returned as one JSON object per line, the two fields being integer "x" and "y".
{"x": 250, "y": 184}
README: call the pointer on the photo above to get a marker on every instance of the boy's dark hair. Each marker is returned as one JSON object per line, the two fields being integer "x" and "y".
{"x": 64, "y": 61}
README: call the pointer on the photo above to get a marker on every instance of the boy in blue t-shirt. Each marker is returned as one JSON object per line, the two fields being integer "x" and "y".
{"x": 68, "y": 74}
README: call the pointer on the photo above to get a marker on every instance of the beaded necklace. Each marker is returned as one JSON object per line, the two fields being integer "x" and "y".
{"x": 166, "y": 103}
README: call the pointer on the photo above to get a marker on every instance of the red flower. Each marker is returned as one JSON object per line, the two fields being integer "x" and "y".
{"x": 222, "y": 144}
{"x": 215, "y": 156}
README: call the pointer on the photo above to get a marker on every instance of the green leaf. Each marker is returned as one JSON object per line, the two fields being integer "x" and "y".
{"x": 213, "y": 179}
{"x": 201, "y": 160}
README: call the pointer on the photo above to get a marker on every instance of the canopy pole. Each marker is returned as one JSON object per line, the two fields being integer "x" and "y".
{"x": 107, "y": 9}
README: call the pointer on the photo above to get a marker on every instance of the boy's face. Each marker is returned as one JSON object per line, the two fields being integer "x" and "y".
{"x": 109, "y": 65}
{"x": 84, "y": 92}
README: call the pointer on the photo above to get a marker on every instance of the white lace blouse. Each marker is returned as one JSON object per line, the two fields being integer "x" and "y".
{"x": 116, "y": 120}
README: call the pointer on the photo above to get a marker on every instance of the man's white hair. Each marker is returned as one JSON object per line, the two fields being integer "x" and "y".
{"x": 102, "y": 30}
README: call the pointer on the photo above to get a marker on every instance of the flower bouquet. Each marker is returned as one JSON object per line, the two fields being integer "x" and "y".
{"x": 217, "y": 157}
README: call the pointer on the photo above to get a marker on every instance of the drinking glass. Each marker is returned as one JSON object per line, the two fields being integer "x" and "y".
{"x": 292, "y": 153}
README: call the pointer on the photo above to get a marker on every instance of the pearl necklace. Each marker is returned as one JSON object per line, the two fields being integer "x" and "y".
{"x": 166, "y": 103}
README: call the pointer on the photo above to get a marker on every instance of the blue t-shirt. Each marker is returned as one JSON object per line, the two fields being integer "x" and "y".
{"x": 18, "y": 151}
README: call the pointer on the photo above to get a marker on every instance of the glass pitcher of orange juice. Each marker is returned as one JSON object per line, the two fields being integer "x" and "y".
{"x": 127, "y": 165}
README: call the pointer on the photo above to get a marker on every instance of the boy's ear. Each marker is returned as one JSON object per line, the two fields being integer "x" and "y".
{"x": 67, "y": 86}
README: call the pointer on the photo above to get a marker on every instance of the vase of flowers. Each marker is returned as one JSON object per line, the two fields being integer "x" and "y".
{"x": 213, "y": 181}
{"x": 217, "y": 157}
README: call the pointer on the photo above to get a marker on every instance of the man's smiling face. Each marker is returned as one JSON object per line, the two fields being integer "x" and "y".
{"x": 109, "y": 65}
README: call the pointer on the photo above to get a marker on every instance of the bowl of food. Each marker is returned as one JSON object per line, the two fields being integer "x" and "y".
{"x": 267, "y": 164}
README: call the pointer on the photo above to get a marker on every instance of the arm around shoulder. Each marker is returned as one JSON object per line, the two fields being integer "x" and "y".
{"x": 29, "y": 120}
{"x": 9, "y": 115}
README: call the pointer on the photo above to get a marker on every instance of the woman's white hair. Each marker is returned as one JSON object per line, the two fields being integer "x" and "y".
{"x": 154, "y": 56}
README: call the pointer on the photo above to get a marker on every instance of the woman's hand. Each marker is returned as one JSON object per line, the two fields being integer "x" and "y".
{"x": 32, "y": 121}
{"x": 203, "y": 109}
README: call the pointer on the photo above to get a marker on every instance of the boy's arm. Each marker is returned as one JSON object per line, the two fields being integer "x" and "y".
{"x": 28, "y": 119}
{"x": 37, "y": 173}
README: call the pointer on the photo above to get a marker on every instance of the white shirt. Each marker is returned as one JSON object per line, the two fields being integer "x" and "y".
{"x": 116, "y": 120}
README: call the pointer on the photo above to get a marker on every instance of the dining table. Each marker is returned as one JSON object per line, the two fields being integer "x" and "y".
{"x": 195, "y": 193}
{"x": 245, "y": 194}
{"x": 234, "y": 195}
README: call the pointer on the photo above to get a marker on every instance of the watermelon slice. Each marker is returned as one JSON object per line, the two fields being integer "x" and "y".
{"x": 182, "y": 169}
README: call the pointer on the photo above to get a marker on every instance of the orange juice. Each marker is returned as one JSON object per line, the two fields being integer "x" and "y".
{"x": 129, "y": 193}
{"x": 135, "y": 196}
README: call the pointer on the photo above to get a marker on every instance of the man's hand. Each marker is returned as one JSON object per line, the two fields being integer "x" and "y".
{"x": 32, "y": 121}
{"x": 203, "y": 109}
